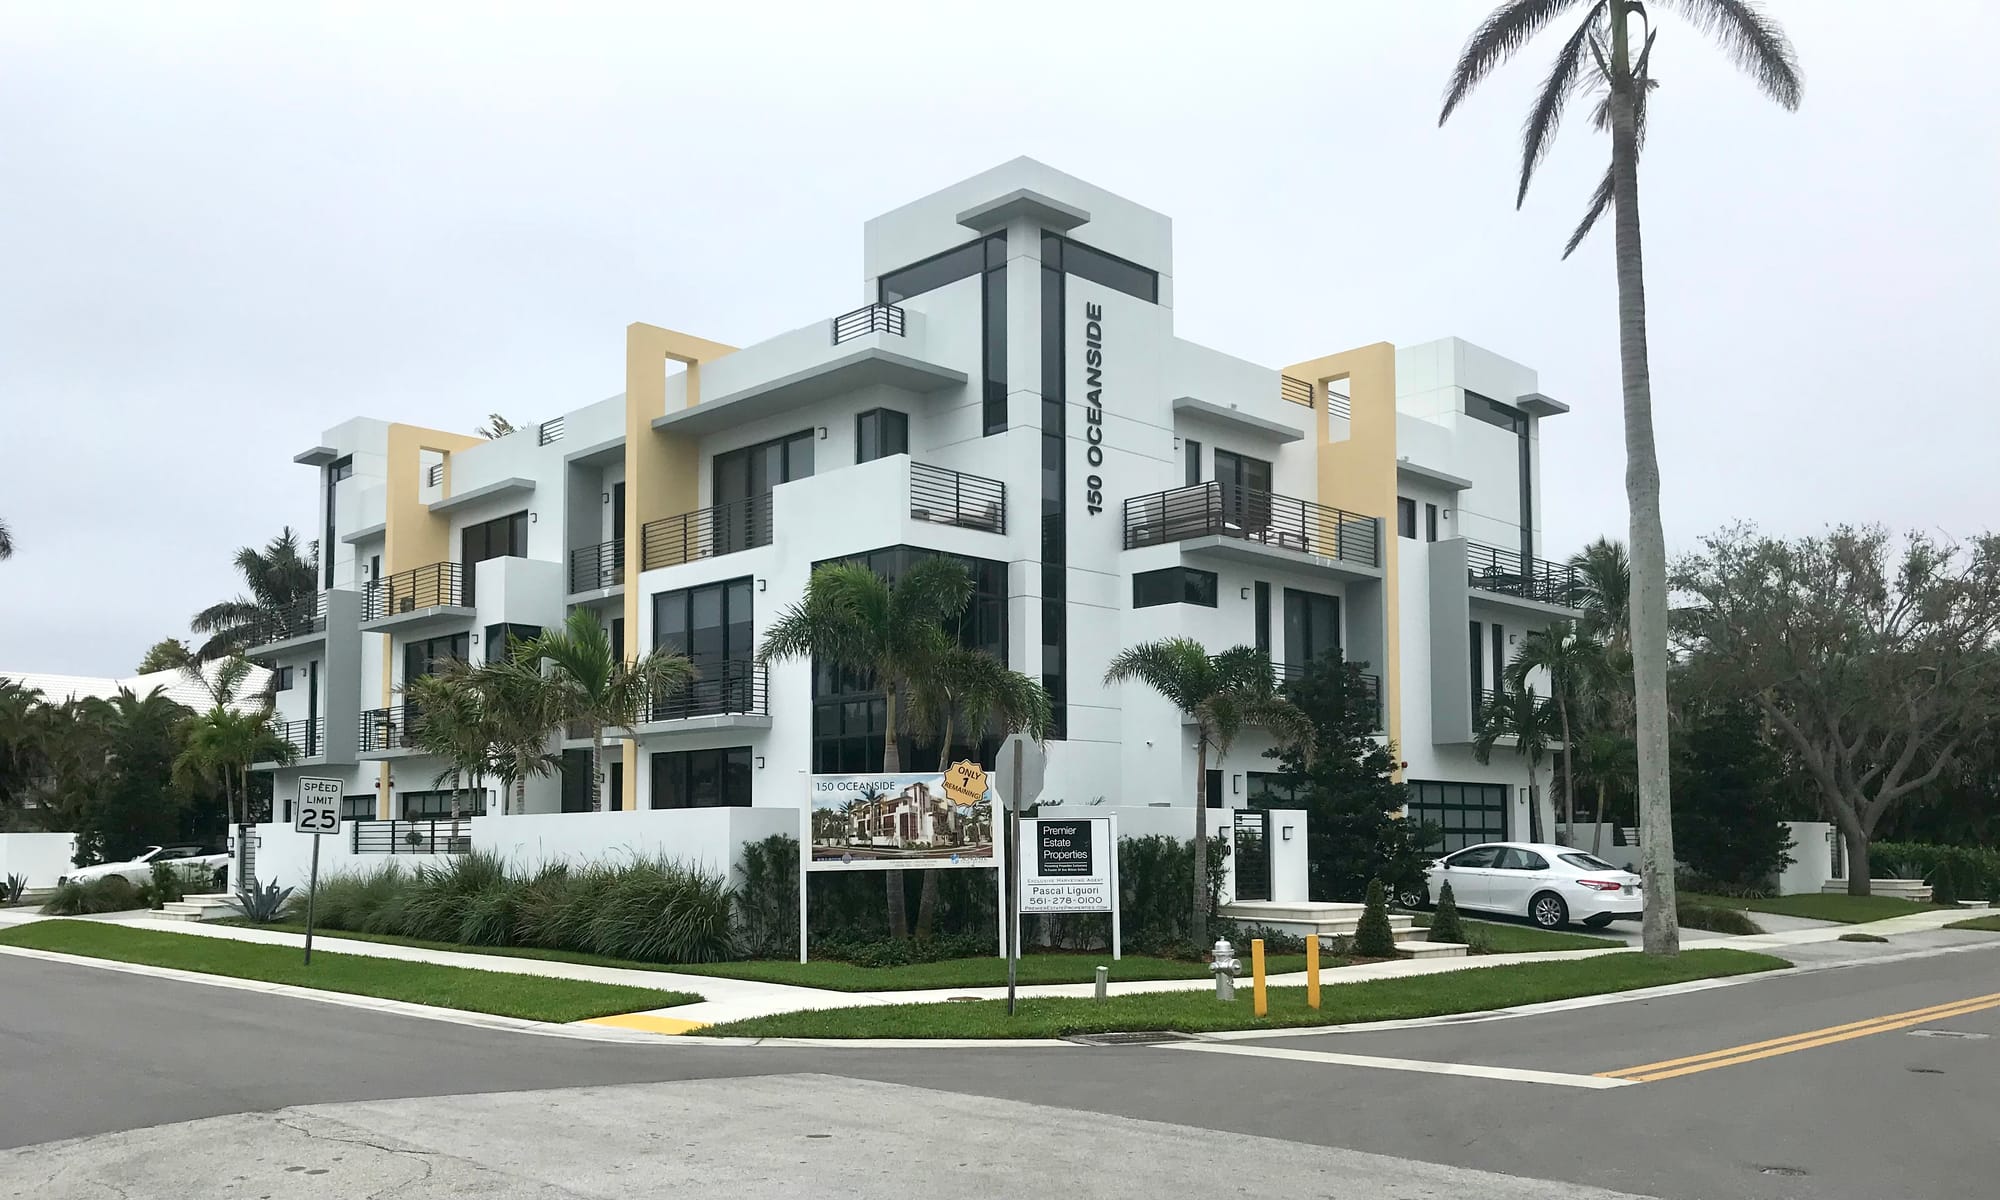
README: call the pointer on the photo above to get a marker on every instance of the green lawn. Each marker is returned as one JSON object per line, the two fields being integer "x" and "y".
{"x": 528, "y": 996}
{"x": 1502, "y": 938}
{"x": 1475, "y": 990}
{"x": 1987, "y": 924}
{"x": 1846, "y": 910}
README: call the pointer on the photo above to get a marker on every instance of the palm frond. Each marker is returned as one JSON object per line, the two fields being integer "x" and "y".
{"x": 1509, "y": 27}
{"x": 1563, "y": 79}
{"x": 1753, "y": 40}
{"x": 1177, "y": 668}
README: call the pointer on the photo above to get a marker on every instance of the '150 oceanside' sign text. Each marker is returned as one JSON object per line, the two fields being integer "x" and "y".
{"x": 1093, "y": 382}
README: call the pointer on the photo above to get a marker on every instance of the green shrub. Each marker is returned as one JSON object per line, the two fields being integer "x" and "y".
{"x": 661, "y": 911}
{"x": 113, "y": 893}
{"x": 1967, "y": 872}
{"x": 263, "y": 905}
{"x": 1716, "y": 920}
{"x": 1276, "y": 941}
{"x": 169, "y": 885}
{"x": 767, "y": 902}
{"x": 16, "y": 884}
{"x": 1373, "y": 938}
{"x": 1445, "y": 925}
{"x": 893, "y": 952}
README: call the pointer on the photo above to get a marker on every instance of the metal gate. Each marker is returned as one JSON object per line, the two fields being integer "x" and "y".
{"x": 244, "y": 870}
{"x": 1250, "y": 839}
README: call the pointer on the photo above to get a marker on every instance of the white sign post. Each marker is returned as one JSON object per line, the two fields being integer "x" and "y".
{"x": 316, "y": 813}
{"x": 1070, "y": 865}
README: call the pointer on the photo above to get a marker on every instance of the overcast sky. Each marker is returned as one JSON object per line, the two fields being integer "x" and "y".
{"x": 225, "y": 228}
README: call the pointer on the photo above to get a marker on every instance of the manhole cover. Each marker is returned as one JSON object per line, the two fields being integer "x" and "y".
{"x": 1147, "y": 1038}
{"x": 1947, "y": 1033}
{"x": 1790, "y": 1171}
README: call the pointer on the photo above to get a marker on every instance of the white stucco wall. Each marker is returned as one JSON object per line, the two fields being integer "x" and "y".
{"x": 40, "y": 857}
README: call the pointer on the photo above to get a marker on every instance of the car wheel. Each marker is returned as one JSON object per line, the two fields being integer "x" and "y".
{"x": 1597, "y": 922}
{"x": 1548, "y": 911}
{"x": 1413, "y": 898}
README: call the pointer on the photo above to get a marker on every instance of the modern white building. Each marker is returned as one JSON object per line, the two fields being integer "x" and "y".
{"x": 1008, "y": 390}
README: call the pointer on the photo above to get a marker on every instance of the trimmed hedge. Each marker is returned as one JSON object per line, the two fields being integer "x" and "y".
{"x": 1955, "y": 872}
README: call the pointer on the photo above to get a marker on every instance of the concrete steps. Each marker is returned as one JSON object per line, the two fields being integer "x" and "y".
{"x": 1415, "y": 949}
{"x": 203, "y": 907}
{"x": 1901, "y": 889}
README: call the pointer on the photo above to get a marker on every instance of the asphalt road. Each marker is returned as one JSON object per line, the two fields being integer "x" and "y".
{"x": 1860, "y": 1112}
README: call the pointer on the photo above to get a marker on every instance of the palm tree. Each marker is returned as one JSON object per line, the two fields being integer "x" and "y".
{"x": 596, "y": 687}
{"x": 1603, "y": 757}
{"x": 1221, "y": 694}
{"x": 6, "y": 541}
{"x": 1760, "y": 47}
{"x": 1575, "y": 664}
{"x": 221, "y": 745}
{"x": 450, "y": 723}
{"x": 853, "y": 619}
{"x": 981, "y": 688}
{"x": 519, "y": 709}
{"x": 279, "y": 576}
{"x": 1530, "y": 722}
{"x": 1604, "y": 592}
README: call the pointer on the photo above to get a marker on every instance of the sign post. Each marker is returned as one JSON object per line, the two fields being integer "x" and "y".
{"x": 316, "y": 813}
{"x": 1022, "y": 764}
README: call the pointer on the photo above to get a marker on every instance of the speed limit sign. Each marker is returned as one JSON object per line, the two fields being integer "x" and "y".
{"x": 318, "y": 809}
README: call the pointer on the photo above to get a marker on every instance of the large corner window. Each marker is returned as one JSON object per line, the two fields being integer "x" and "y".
{"x": 501, "y": 640}
{"x": 432, "y": 655}
{"x": 986, "y": 258}
{"x": 879, "y": 433}
{"x": 718, "y": 778}
{"x": 1174, "y": 585}
{"x": 713, "y": 626}
{"x": 502, "y": 537}
{"x": 337, "y": 470}
{"x": 1514, "y": 421}
{"x": 1088, "y": 262}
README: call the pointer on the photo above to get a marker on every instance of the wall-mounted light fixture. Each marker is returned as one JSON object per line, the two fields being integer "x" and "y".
{"x": 822, "y": 433}
{"x": 475, "y": 637}
{"x": 534, "y": 518}
{"x": 1286, "y": 832}
{"x": 1244, "y": 593}
{"x": 1511, "y": 637}
{"x": 1236, "y": 784}
{"x": 760, "y": 585}
{"x": 760, "y": 766}
{"x": 607, "y": 497}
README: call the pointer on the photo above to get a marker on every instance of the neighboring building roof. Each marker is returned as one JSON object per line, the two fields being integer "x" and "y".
{"x": 55, "y": 689}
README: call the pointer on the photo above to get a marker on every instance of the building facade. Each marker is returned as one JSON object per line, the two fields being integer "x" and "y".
{"x": 1009, "y": 391}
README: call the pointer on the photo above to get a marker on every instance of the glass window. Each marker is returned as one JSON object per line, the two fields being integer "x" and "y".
{"x": 993, "y": 346}
{"x": 357, "y": 808}
{"x": 1193, "y": 461}
{"x": 1406, "y": 517}
{"x": 1430, "y": 522}
{"x": 1263, "y": 618}
{"x": 914, "y": 280}
{"x": 753, "y": 471}
{"x": 281, "y": 679}
{"x": 1589, "y": 862}
{"x": 1267, "y": 788}
{"x": 1087, "y": 262}
{"x": 1312, "y": 627}
{"x": 1467, "y": 814}
{"x": 432, "y": 655}
{"x": 1480, "y": 857}
{"x": 437, "y": 805}
{"x": 1243, "y": 471}
{"x": 879, "y": 433}
{"x": 1506, "y": 416}
{"x": 717, "y": 778}
{"x": 501, "y": 639}
{"x": 1174, "y": 585}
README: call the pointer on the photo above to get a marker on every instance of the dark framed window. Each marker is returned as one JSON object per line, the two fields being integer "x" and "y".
{"x": 502, "y": 537}
{"x": 1262, "y": 601}
{"x": 1243, "y": 471}
{"x": 618, "y": 638}
{"x": 337, "y": 470}
{"x": 959, "y": 262}
{"x": 1499, "y": 646}
{"x": 1467, "y": 814}
{"x": 1478, "y": 663}
{"x": 1212, "y": 791}
{"x": 436, "y": 805}
{"x": 1174, "y": 585}
{"x": 879, "y": 433}
{"x": 714, "y": 627}
{"x": 1430, "y": 522}
{"x": 1491, "y": 411}
{"x": 1312, "y": 626}
{"x": 1193, "y": 461}
{"x": 1266, "y": 789}
{"x": 281, "y": 679}
{"x": 357, "y": 808}
{"x": 501, "y": 640}
{"x": 987, "y": 258}
{"x": 573, "y": 770}
{"x": 1406, "y": 517}
{"x": 753, "y": 471}
{"x": 431, "y": 655}
{"x": 374, "y": 567}
{"x": 1088, "y": 262}
{"x": 718, "y": 778}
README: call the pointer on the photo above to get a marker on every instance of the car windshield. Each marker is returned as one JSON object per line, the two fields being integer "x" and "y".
{"x": 1588, "y": 862}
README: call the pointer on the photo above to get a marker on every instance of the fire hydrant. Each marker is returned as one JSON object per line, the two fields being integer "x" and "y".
{"x": 1223, "y": 963}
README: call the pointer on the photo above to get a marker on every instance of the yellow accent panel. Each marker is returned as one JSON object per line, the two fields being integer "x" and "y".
{"x": 1359, "y": 475}
{"x": 671, "y": 1026}
{"x": 661, "y": 469}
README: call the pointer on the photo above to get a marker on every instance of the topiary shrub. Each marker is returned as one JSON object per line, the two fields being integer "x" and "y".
{"x": 767, "y": 902}
{"x": 1445, "y": 925}
{"x": 1373, "y": 938}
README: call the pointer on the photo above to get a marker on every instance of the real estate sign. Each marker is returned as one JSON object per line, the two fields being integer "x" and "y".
{"x": 1068, "y": 865}
{"x": 911, "y": 821}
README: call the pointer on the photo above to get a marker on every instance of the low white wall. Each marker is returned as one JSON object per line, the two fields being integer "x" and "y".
{"x": 42, "y": 857}
{"x": 1812, "y": 859}
{"x": 285, "y": 857}
{"x": 707, "y": 838}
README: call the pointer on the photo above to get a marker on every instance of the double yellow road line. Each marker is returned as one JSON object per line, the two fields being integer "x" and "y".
{"x": 1735, "y": 1055}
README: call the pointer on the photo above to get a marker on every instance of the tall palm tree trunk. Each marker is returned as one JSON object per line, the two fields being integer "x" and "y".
{"x": 1198, "y": 923}
{"x": 1642, "y": 492}
{"x": 892, "y": 764}
{"x": 1597, "y": 826}
{"x": 1569, "y": 775}
{"x": 596, "y": 767}
{"x": 927, "y": 896}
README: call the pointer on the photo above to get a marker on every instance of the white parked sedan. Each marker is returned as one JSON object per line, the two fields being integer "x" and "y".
{"x": 1550, "y": 885}
{"x": 195, "y": 861}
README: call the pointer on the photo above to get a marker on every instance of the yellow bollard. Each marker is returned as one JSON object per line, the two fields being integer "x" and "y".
{"x": 1257, "y": 1001}
{"x": 1312, "y": 971}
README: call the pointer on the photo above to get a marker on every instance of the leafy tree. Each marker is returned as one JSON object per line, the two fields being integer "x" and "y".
{"x": 852, "y": 619}
{"x": 496, "y": 426}
{"x": 1445, "y": 923}
{"x": 22, "y": 759}
{"x": 1605, "y": 759}
{"x": 167, "y": 654}
{"x": 451, "y": 723}
{"x": 1531, "y": 724}
{"x": 221, "y": 745}
{"x": 6, "y": 540}
{"x": 592, "y": 685}
{"x": 1373, "y": 938}
{"x": 138, "y": 803}
{"x": 278, "y": 576}
{"x": 1575, "y": 666}
{"x": 1878, "y": 669}
{"x": 1727, "y": 811}
{"x": 1220, "y": 695}
{"x": 520, "y": 712}
{"x": 1623, "y": 75}
{"x": 1346, "y": 786}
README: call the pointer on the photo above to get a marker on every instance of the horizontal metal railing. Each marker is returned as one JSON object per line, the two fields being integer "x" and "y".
{"x": 307, "y": 738}
{"x": 1491, "y": 569}
{"x": 1371, "y": 686}
{"x": 434, "y": 586}
{"x": 549, "y": 431}
{"x": 1338, "y": 405}
{"x": 946, "y": 497}
{"x": 305, "y": 616}
{"x": 1252, "y": 515}
{"x": 389, "y": 728}
{"x": 599, "y": 566}
{"x": 1298, "y": 391}
{"x": 434, "y": 475}
{"x": 730, "y": 686}
{"x": 421, "y": 836}
{"x": 706, "y": 533}
{"x": 872, "y": 318}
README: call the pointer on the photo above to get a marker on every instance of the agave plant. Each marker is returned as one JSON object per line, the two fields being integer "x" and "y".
{"x": 263, "y": 905}
{"x": 16, "y": 884}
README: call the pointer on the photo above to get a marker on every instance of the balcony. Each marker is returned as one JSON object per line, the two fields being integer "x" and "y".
{"x": 733, "y": 694}
{"x": 444, "y": 836}
{"x": 1506, "y": 573}
{"x": 598, "y": 568}
{"x": 1371, "y": 689}
{"x": 706, "y": 533}
{"x": 947, "y": 497}
{"x": 418, "y": 598}
{"x": 389, "y": 732}
{"x": 300, "y": 624}
{"x": 306, "y": 738}
{"x": 1249, "y": 523}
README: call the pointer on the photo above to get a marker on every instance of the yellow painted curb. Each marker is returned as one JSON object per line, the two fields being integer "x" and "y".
{"x": 647, "y": 1024}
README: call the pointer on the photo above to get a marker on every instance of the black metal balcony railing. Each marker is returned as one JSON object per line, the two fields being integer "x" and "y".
{"x": 389, "y": 728}
{"x": 946, "y": 497}
{"x": 873, "y": 318}
{"x": 706, "y": 533}
{"x": 1338, "y": 405}
{"x": 433, "y": 586}
{"x": 1298, "y": 391}
{"x": 549, "y": 431}
{"x": 1371, "y": 686}
{"x": 427, "y": 836}
{"x": 729, "y": 686}
{"x": 599, "y": 566}
{"x": 305, "y": 616}
{"x": 1491, "y": 569}
{"x": 1483, "y": 700}
{"x": 1252, "y": 515}
{"x": 306, "y": 738}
